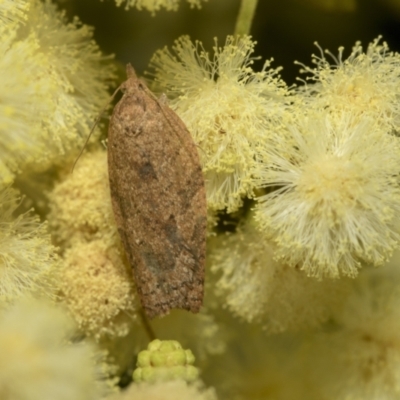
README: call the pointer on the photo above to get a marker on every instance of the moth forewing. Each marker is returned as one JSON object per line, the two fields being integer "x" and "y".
{"x": 158, "y": 198}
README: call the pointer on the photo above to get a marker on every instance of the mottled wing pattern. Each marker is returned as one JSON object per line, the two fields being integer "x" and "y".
{"x": 158, "y": 198}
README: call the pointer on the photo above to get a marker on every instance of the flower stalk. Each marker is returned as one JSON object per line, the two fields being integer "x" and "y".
{"x": 245, "y": 17}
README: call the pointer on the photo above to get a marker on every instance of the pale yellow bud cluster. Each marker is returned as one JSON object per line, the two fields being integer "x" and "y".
{"x": 164, "y": 361}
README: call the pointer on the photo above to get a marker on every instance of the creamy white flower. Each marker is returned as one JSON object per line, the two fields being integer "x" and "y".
{"x": 38, "y": 363}
{"x": 27, "y": 256}
{"x": 227, "y": 107}
{"x": 12, "y": 11}
{"x": 334, "y": 195}
{"x": 256, "y": 288}
{"x": 54, "y": 80}
{"x": 366, "y": 83}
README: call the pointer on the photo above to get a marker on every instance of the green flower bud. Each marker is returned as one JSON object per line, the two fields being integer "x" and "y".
{"x": 143, "y": 359}
{"x": 165, "y": 361}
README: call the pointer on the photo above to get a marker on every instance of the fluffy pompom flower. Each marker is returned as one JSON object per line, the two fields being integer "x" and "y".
{"x": 336, "y": 195}
{"x": 226, "y": 106}
{"x": 27, "y": 257}
{"x": 55, "y": 81}
{"x": 364, "y": 83}
{"x": 24, "y": 101}
{"x": 98, "y": 289}
{"x": 80, "y": 205}
{"x": 37, "y": 361}
{"x": 254, "y": 287}
{"x": 95, "y": 279}
{"x": 13, "y": 10}
{"x": 156, "y": 5}
{"x": 360, "y": 359}
{"x": 172, "y": 390}
{"x": 79, "y": 72}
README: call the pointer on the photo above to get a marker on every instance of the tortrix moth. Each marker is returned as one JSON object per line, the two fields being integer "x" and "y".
{"x": 158, "y": 199}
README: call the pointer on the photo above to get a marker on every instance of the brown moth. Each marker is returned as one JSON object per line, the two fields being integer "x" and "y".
{"x": 158, "y": 199}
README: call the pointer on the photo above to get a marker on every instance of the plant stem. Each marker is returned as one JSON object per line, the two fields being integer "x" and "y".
{"x": 245, "y": 17}
{"x": 146, "y": 325}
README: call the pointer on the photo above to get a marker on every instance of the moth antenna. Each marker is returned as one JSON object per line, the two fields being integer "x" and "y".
{"x": 95, "y": 124}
